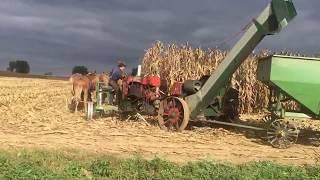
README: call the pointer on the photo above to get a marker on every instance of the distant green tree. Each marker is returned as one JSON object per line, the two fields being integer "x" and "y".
{"x": 80, "y": 69}
{"x": 12, "y": 66}
{"x": 317, "y": 55}
{"x": 19, "y": 66}
{"x": 22, "y": 66}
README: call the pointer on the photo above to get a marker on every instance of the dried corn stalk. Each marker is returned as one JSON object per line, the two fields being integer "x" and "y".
{"x": 178, "y": 63}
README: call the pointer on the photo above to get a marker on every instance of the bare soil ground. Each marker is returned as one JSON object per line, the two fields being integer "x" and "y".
{"x": 33, "y": 114}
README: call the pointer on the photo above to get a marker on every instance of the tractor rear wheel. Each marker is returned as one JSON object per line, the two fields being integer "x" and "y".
{"x": 173, "y": 114}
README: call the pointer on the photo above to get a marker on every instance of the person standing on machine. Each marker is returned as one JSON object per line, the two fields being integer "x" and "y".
{"x": 117, "y": 76}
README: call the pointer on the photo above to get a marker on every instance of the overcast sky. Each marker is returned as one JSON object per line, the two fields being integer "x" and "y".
{"x": 55, "y": 35}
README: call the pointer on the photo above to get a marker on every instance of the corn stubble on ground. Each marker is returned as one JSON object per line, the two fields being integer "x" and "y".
{"x": 179, "y": 63}
{"x": 34, "y": 115}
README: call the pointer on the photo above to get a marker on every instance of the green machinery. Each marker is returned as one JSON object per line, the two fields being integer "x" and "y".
{"x": 103, "y": 105}
{"x": 289, "y": 78}
{"x": 212, "y": 98}
{"x": 292, "y": 78}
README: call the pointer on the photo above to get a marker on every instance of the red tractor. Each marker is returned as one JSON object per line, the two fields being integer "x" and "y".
{"x": 140, "y": 95}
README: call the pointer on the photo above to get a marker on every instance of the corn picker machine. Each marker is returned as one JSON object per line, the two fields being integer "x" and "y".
{"x": 212, "y": 99}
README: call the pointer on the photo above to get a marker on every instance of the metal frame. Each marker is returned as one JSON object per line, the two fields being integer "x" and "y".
{"x": 272, "y": 19}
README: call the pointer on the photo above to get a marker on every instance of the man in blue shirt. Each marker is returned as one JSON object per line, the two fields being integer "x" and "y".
{"x": 117, "y": 75}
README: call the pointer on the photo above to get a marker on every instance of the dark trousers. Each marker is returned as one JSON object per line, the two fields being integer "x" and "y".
{"x": 116, "y": 88}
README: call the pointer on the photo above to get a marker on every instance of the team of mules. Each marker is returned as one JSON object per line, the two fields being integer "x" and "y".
{"x": 83, "y": 87}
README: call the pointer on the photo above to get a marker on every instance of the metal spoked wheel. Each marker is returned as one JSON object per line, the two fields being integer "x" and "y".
{"x": 281, "y": 134}
{"x": 173, "y": 114}
{"x": 267, "y": 118}
{"x": 89, "y": 113}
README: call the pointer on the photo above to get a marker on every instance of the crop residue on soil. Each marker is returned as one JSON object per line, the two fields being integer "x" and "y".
{"x": 34, "y": 115}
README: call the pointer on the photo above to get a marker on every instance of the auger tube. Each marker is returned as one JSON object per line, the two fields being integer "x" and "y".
{"x": 272, "y": 19}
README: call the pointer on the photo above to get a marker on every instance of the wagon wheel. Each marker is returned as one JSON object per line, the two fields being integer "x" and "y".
{"x": 268, "y": 118}
{"x": 281, "y": 134}
{"x": 90, "y": 110}
{"x": 173, "y": 114}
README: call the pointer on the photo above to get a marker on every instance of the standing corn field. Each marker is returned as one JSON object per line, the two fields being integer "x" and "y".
{"x": 179, "y": 63}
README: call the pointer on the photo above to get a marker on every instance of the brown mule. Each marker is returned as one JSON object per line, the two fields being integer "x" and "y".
{"x": 87, "y": 85}
{"x": 80, "y": 83}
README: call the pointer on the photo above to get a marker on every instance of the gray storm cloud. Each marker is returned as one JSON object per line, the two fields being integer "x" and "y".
{"x": 56, "y": 35}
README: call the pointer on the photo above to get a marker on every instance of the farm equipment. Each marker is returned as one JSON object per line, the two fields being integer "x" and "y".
{"x": 283, "y": 76}
{"x": 211, "y": 98}
{"x": 139, "y": 96}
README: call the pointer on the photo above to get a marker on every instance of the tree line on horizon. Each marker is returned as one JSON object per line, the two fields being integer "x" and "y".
{"x": 19, "y": 66}
{"x": 22, "y": 66}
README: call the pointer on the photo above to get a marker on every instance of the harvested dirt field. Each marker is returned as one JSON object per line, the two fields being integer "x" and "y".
{"x": 34, "y": 115}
